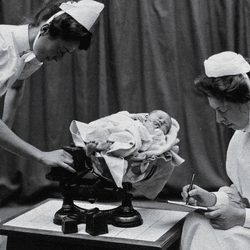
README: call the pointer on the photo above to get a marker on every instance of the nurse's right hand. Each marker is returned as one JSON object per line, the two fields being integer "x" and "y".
{"x": 198, "y": 196}
{"x": 58, "y": 158}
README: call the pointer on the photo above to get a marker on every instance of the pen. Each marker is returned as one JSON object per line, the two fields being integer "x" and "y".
{"x": 190, "y": 187}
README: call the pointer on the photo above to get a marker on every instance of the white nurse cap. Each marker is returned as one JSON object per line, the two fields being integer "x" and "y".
{"x": 226, "y": 63}
{"x": 84, "y": 12}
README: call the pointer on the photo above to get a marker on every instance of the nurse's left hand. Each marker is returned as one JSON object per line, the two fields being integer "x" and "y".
{"x": 58, "y": 158}
{"x": 135, "y": 161}
{"x": 226, "y": 216}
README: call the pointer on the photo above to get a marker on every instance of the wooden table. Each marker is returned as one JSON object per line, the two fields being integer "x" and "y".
{"x": 34, "y": 230}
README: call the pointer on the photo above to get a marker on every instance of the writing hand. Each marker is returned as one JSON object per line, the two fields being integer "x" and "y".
{"x": 198, "y": 196}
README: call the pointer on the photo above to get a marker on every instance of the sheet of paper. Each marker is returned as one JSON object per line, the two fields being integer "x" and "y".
{"x": 182, "y": 206}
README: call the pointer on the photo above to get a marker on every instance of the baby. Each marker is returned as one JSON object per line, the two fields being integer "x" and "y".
{"x": 156, "y": 120}
{"x": 123, "y": 137}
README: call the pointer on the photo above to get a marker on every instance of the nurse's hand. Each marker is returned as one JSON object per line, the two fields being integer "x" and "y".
{"x": 225, "y": 216}
{"x": 135, "y": 161}
{"x": 198, "y": 196}
{"x": 102, "y": 146}
{"x": 58, "y": 158}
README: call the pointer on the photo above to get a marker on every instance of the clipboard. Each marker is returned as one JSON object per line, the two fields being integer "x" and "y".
{"x": 181, "y": 206}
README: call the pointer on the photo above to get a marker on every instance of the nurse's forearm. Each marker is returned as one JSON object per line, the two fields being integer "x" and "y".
{"x": 12, "y": 101}
{"x": 11, "y": 142}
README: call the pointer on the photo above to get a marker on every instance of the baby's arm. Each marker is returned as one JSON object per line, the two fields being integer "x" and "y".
{"x": 150, "y": 126}
{"x": 139, "y": 117}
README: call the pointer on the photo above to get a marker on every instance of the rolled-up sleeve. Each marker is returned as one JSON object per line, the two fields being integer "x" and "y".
{"x": 221, "y": 198}
{"x": 230, "y": 195}
{"x": 247, "y": 218}
{"x": 8, "y": 63}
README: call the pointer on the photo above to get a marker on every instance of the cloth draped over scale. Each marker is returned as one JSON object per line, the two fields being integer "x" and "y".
{"x": 131, "y": 140}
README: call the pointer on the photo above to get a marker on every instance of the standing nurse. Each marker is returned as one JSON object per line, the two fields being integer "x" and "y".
{"x": 55, "y": 31}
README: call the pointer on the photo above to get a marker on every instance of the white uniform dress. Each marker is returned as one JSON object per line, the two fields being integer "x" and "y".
{"x": 198, "y": 232}
{"x": 17, "y": 61}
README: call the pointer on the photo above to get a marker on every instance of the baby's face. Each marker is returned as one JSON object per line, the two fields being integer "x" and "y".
{"x": 160, "y": 120}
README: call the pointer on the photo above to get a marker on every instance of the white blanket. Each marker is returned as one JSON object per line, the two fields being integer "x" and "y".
{"x": 131, "y": 140}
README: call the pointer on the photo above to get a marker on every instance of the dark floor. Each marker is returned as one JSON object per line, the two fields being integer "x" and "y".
{"x": 7, "y": 211}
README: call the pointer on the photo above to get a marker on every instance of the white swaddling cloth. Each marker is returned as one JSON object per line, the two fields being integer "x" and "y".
{"x": 131, "y": 140}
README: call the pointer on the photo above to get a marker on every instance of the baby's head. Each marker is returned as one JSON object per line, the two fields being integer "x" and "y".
{"x": 160, "y": 120}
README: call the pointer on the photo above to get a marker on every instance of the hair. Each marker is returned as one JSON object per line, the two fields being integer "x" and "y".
{"x": 63, "y": 26}
{"x": 232, "y": 88}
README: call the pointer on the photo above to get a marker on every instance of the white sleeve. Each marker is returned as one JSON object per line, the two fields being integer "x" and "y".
{"x": 247, "y": 219}
{"x": 8, "y": 61}
{"x": 221, "y": 198}
{"x": 231, "y": 196}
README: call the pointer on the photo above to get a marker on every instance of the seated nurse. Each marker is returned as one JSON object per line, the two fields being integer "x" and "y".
{"x": 226, "y": 225}
{"x": 56, "y": 30}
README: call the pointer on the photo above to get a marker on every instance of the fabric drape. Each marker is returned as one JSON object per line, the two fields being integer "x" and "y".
{"x": 145, "y": 55}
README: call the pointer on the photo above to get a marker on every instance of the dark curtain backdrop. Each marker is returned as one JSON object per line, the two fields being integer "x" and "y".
{"x": 145, "y": 55}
